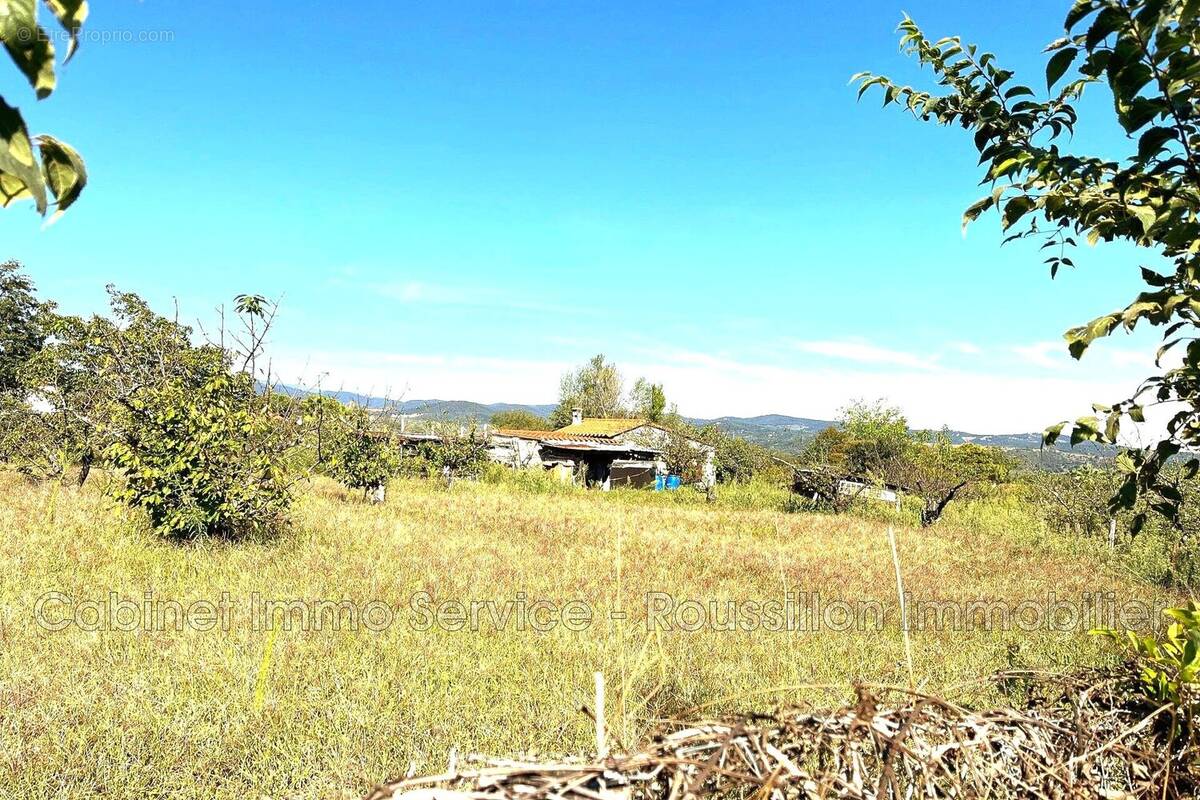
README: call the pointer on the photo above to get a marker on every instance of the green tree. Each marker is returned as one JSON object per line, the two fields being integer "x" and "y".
{"x": 322, "y": 416}
{"x": 21, "y": 335}
{"x": 648, "y": 400}
{"x": 684, "y": 458}
{"x": 1147, "y": 54}
{"x": 194, "y": 443}
{"x": 878, "y": 436}
{"x": 737, "y": 460}
{"x": 520, "y": 419}
{"x": 595, "y": 387}
{"x": 200, "y": 461}
{"x": 38, "y": 167}
{"x": 87, "y": 370}
{"x": 362, "y": 456}
{"x": 938, "y": 471}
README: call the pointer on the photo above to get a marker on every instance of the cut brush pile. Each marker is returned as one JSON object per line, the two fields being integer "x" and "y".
{"x": 1077, "y": 737}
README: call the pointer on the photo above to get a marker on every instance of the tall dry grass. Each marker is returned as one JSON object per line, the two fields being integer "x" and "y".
{"x": 246, "y": 712}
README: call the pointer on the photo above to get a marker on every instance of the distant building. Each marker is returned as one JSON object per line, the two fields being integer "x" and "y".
{"x": 605, "y": 452}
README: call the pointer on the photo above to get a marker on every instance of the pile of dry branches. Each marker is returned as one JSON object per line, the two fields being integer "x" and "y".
{"x": 1077, "y": 737}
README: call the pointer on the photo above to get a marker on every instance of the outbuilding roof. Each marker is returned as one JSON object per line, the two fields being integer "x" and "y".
{"x": 605, "y": 427}
{"x": 590, "y": 430}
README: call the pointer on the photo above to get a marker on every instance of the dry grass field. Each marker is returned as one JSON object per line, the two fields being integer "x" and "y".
{"x": 238, "y": 711}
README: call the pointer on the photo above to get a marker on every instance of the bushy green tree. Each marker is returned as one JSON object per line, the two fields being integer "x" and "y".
{"x": 86, "y": 369}
{"x": 874, "y": 445}
{"x": 683, "y": 458}
{"x": 190, "y": 438}
{"x": 739, "y": 461}
{"x": 200, "y": 460}
{"x": 938, "y": 471}
{"x": 362, "y": 456}
{"x": 461, "y": 453}
{"x": 21, "y": 334}
{"x": 595, "y": 387}
{"x": 877, "y": 435}
{"x": 322, "y": 418}
{"x": 1146, "y": 53}
{"x": 1076, "y": 500}
{"x": 648, "y": 401}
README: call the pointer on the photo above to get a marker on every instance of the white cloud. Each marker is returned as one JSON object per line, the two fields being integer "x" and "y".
{"x": 1050, "y": 355}
{"x": 1141, "y": 359}
{"x": 966, "y": 348}
{"x": 444, "y": 294}
{"x": 418, "y": 292}
{"x": 865, "y": 353}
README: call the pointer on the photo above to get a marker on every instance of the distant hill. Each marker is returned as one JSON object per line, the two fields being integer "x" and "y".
{"x": 784, "y": 432}
{"x": 454, "y": 410}
{"x": 779, "y": 432}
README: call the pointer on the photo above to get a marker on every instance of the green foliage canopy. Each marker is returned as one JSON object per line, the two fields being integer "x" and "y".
{"x": 201, "y": 461}
{"x": 21, "y": 335}
{"x": 362, "y": 456}
{"x": 595, "y": 387}
{"x": 1147, "y": 53}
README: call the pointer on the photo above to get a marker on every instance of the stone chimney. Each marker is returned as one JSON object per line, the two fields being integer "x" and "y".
{"x": 576, "y": 415}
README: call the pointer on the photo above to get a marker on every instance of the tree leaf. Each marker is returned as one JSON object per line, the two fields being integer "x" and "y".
{"x": 1058, "y": 65}
{"x": 1146, "y": 216}
{"x": 1152, "y": 141}
{"x": 28, "y": 45}
{"x": 71, "y": 14}
{"x": 17, "y": 159}
{"x": 1016, "y": 208}
{"x": 1078, "y": 12}
{"x": 977, "y": 208}
{"x": 1107, "y": 23}
{"x": 1051, "y": 434}
{"x": 64, "y": 170}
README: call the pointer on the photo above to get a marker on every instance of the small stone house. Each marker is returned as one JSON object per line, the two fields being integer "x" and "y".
{"x": 603, "y": 452}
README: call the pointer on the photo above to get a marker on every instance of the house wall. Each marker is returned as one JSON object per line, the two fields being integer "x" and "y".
{"x": 513, "y": 451}
{"x": 657, "y": 438}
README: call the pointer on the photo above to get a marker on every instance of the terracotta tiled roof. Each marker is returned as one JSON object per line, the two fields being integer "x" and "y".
{"x": 521, "y": 433}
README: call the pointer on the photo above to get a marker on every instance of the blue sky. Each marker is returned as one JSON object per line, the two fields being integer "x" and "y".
{"x": 461, "y": 200}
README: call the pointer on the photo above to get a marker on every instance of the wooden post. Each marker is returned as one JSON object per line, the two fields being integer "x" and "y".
{"x": 601, "y": 738}
{"x": 1112, "y": 533}
{"x": 903, "y": 606}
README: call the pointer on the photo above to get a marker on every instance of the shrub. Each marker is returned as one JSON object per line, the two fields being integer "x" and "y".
{"x": 463, "y": 452}
{"x": 533, "y": 481}
{"x": 201, "y": 462}
{"x": 362, "y": 458}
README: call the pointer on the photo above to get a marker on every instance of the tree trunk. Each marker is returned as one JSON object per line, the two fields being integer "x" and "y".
{"x": 85, "y": 467}
{"x": 934, "y": 508}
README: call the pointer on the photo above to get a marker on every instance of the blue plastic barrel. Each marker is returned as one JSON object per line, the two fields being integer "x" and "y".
{"x": 660, "y": 482}
{"x": 672, "y": 482}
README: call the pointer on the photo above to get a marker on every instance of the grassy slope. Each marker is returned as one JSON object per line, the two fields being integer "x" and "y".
{"x": 172, "y": 714}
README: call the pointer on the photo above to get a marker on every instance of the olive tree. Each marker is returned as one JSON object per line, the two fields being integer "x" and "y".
{"x": 1147, "y": 53}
